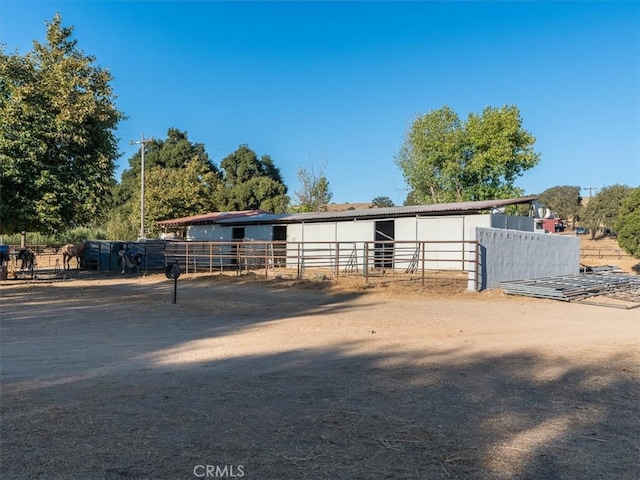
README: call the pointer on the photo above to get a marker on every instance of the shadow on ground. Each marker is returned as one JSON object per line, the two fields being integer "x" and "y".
{"x": 84, "y": 397}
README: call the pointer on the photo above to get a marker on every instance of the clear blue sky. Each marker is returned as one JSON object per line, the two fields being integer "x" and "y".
{"x": 340, "y": 83}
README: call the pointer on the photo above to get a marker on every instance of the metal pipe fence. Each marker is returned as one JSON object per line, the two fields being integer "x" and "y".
{"x": 369, "y": 259}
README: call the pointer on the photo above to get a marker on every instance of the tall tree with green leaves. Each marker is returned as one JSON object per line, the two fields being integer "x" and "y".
{"x": 564, "y": 201}
{"x": 603, "y": 209}
{"x": 445, "y": 159}
{"x": 57, "y": 142}
{"x": 174, "y": 152}
{"x": 179, "y": 192}
{"x": 314, "y": 191}
{"x": 180, "y": 180}
{"x": 627, "y": 223}
{"x": 252, "y": 183}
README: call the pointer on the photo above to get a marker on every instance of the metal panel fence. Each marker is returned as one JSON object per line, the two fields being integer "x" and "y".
{"x": 368, "y": 259}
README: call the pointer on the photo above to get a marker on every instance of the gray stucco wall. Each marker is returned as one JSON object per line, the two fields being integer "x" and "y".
{"x": 515, "y": 255}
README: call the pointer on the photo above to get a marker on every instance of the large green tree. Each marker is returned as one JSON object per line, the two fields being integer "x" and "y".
{"x": 627, "y": 223}
{"x": 444, "y": 159}
{"x": 180, "y": 180}
{"x": 603, "y": 209}
{"x": 252, "y": 183}
{"x": 564, "y": 201}
{"x": 57, "y": 142}
{"x": 176, "y": 193}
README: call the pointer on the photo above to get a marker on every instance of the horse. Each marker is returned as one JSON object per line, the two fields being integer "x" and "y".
{"x": 70, "y": 251}
{"x": 27, "y": 258}
{"x": 130, "y": 260}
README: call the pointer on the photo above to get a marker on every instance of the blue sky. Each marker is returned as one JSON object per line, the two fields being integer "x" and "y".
{"x": 339, "y": 83}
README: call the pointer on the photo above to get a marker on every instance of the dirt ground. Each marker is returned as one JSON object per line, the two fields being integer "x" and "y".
{"x": 103, "y": 377}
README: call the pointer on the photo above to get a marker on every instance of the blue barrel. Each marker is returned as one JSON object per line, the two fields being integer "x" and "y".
{"x": 4, "y": 253}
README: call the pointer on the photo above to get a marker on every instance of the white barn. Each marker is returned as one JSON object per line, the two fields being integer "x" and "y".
{"x": 451, "y": 231}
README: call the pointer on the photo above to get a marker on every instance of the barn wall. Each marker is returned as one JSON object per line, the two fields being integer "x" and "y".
{"x": 313, "y": 254}
{"x": 355, "y": 231}
{"x": 442, "y": 256}
{"x": 259, "y": 232}
{"x": 513, "y": 255}
{"x": 473, "y": 221}
{"x": 209, "y": 233}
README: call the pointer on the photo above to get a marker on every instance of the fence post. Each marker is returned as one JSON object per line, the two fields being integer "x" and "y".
{"x": 423, "y": 261}
{"x": 266, "y": 260}
{"x": 337, "y": 259}
{"x": 186, "y": 258}
{"x": 366, "y": 262}
{"x": 477, "y": 265}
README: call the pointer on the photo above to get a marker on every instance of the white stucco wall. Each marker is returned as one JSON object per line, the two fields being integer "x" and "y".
{"x": 514, "y": 255}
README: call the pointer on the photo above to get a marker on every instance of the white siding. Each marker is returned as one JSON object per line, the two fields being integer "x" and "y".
{"x": 405, "y": 228}
{"x": 209, "y": 233}
{"x": 259, "y": 232}
{"x": 355, "y": 231}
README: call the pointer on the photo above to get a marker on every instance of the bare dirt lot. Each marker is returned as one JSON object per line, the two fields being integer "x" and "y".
{"x": 104, "y": 378}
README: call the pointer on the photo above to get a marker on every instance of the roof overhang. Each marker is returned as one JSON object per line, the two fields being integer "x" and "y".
{"x": 246, "y": 217}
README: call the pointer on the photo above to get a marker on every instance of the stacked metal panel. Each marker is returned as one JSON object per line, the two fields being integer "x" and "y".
{"x": 577, "y": 287}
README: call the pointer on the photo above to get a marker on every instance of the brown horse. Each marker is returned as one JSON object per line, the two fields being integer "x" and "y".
{"x": 70, "y": 251}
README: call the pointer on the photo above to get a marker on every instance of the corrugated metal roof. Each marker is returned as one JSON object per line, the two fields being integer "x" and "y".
{"x": 209, "y": 218}
{"x": 257, "y": 216}
{"x": 408, "y": 211}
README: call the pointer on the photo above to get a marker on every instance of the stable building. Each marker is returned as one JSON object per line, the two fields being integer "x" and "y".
{"x": 473, "y": 236}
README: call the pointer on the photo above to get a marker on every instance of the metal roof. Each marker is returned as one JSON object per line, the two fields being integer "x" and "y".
{"x": 257, "y": 216}
{"x": 208, "y": 218}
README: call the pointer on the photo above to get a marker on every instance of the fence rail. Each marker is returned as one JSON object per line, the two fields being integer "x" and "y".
{"x": 369, "y": 259}
{"x": 598, "y": 252}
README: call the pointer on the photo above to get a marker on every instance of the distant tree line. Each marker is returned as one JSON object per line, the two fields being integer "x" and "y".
{"x": 614, "y": 210}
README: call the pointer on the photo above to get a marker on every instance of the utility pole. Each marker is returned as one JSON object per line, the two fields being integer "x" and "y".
{"x": 591, "y": 189}
{"x": 142, "y": 143}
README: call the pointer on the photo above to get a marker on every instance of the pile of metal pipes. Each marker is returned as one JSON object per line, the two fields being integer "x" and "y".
{"x": 575, "y": 287}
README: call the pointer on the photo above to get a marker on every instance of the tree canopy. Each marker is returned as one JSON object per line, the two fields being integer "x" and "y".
{"x": 444, "y": 159}
{"x": 57, "y": 143}
{"x": 627, "y": 223}
{"x": 564, "y": 201}
{"x": 180, "y": 180}
{"x": 314, "y": 191}
{"x": 603, "y": 209}
{"x": 381, "y": 202}
{"x": 252, "y": 183}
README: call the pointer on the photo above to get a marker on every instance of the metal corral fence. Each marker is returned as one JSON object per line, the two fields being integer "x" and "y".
{"x": 99, "y": 255}
{"x": 599, "y": 252}
{"x": 368, "y": 259}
